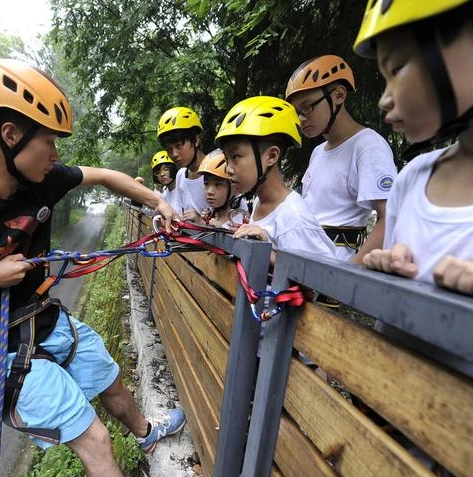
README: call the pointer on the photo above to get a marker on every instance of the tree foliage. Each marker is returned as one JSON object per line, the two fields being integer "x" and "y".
{"x": 138, "y": 58}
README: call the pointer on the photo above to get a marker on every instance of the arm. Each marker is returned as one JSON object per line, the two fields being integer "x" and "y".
{"x": 376, "y": 237}
{"x": 126, "y": 186}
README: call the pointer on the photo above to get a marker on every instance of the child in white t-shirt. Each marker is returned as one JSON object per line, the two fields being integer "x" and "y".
{"x": 164, "y": 175}
{"x": 179, "y": 132}
{"x": 429, "y": 229}
{"x": 352, "y": 172}
{"x": 254, "y": 135}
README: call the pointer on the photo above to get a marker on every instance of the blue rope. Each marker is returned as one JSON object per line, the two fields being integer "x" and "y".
{"x": 4, "y": 308}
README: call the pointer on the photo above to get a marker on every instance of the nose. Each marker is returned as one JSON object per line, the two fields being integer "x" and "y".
{"x": 229, "y": 169}
{"x": 386, "y": 102}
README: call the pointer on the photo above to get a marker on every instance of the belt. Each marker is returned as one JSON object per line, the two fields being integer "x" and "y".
{"x": 344, "y": 236}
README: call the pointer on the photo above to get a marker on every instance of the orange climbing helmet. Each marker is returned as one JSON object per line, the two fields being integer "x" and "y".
{"x": 214, "y": 163}
{"x": 30, "y": 92}
{"x": 319, "y": 72}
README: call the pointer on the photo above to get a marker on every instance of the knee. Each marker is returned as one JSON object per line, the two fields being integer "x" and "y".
{"x": 95, "y": 441}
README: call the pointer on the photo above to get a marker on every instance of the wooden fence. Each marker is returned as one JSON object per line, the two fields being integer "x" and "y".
{"x": 280, "y": 418}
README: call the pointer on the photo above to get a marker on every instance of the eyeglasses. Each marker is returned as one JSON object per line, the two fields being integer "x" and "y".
{"x": 306, "y": 111}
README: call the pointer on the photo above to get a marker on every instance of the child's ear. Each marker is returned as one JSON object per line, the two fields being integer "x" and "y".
{"x": 340, "y": 94}
{"x": 272, "y": 154}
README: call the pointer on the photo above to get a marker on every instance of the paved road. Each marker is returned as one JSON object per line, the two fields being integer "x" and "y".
{"x": 85, "y": 237}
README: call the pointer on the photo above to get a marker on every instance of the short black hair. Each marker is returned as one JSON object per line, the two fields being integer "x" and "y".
{"x": 180, "y": 136}
{"x": 451, "y": 23}
{"x": 8, "y": 115}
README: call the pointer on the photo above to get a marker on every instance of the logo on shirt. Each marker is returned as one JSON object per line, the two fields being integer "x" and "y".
{"x": 385, "y": 183}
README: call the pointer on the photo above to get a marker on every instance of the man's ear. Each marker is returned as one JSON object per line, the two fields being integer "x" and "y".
{"x": 272, "y": 154}
{"x": 10, "y": 134}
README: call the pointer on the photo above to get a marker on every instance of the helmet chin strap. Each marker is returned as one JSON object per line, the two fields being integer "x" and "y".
{"x": 10, "y": 154}
{"x": 236, "y": 201}
{"x": 451, "y": 124}
{"x": 333, "y": 112}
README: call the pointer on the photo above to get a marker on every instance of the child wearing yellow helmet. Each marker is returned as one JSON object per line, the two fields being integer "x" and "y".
{"x": 164, "y": 175}
{"x": 424, "y": 53}
{"x": 351, "y": 173}
{"x": 254, "y": 136}
{"x": 179, "y": 131}
{"x": 47, "y": 400}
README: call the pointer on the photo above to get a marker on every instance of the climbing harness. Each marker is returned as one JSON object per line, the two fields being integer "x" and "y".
{"x": 344, "y": 236}
{"x": 184, "y": 237}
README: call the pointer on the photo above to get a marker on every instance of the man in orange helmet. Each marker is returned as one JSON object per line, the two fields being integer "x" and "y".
{"x": 351, "y": 173}
{"x": 56, "y": 364}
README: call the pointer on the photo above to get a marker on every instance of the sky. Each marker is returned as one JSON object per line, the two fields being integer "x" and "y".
{"x": 25, "y": 18}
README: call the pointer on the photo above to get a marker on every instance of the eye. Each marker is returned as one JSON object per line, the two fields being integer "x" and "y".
{"x": 395, "y": 70}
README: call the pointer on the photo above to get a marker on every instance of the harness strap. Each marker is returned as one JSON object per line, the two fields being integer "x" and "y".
{"x": 344, "y": 236}
{"x": 21, "y": 365}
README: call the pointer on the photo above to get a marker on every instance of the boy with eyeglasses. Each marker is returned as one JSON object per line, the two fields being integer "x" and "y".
{"x": 351, "y": 173}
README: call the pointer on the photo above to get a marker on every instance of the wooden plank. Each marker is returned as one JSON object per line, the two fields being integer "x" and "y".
{"x": 216, "y": 268}
{"x": 217, "y": 307}
{"x": 295, "y": 452}
{"x": 430, "y": 404}
{"x": 345, "y": 437}
{"x": 215, "y": 346}
{"x": 167, "y": 311}
{"x": 199, "y": 410}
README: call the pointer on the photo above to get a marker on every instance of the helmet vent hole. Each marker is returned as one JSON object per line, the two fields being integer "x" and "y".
{"x": 43, "y": 109}
{"x": 334, "y": 69}
{"x": 315, "y": 76}
{"x": 28, "y": 96}
{"x": 326, "y": 75}
{"x": 64, "y": 110}
{"x": 58, "y": 114}
{"x": 266, "y": 115}
{"x": 277, "y": 108}
{"x": 343, "y": 66}
{"x": 240, "y": 119}
{"x": 10, "y": 84}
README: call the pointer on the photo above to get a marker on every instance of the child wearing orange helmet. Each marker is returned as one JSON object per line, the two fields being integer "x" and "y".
{"x": 351, "y": 173}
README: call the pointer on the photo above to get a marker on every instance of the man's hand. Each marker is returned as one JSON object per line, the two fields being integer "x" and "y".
{"x": 397, "y": 260}
{"x": 455, "y": 274}
{"x": 13, "y": 270}
{"x": 253, "y": 231}
{"x": 167, "y": 213}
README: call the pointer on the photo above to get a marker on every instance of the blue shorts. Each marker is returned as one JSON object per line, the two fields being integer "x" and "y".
{"x": 54, "y": 397}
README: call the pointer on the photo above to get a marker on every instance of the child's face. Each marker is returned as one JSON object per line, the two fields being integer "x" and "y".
{"x": 241, "y": 165}
{"x": 216, "y": 190}
{"x": 409, "y": 99}
{"x": 163, "y": 175}
{"x": 313, "y": 111}
{"x": 181, "y": 153}
{"x": 36, "y": 159}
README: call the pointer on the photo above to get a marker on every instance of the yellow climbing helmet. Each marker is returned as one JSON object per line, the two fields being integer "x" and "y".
{"x": 178, "y": 118}
{"x": 319, "y": 72}
{"x": 383, "y": 15}
{"x": 30, "y": 92}
{"x": 261, "y": 116}
{"x": 214, "y": 163}
{"x": 159, "y": 158}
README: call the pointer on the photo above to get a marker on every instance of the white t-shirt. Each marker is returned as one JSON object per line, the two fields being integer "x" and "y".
{"x": 291, "y": 227}
{"x": 191, "y": 192}
{"x": 172, "y": 198}
{"x": 431, "y": 232}
{"x": 340, "y": 185}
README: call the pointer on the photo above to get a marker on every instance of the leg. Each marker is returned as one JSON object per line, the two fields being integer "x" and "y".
{"x": 94, "y": 449}
{"x": 119, "y": 402}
